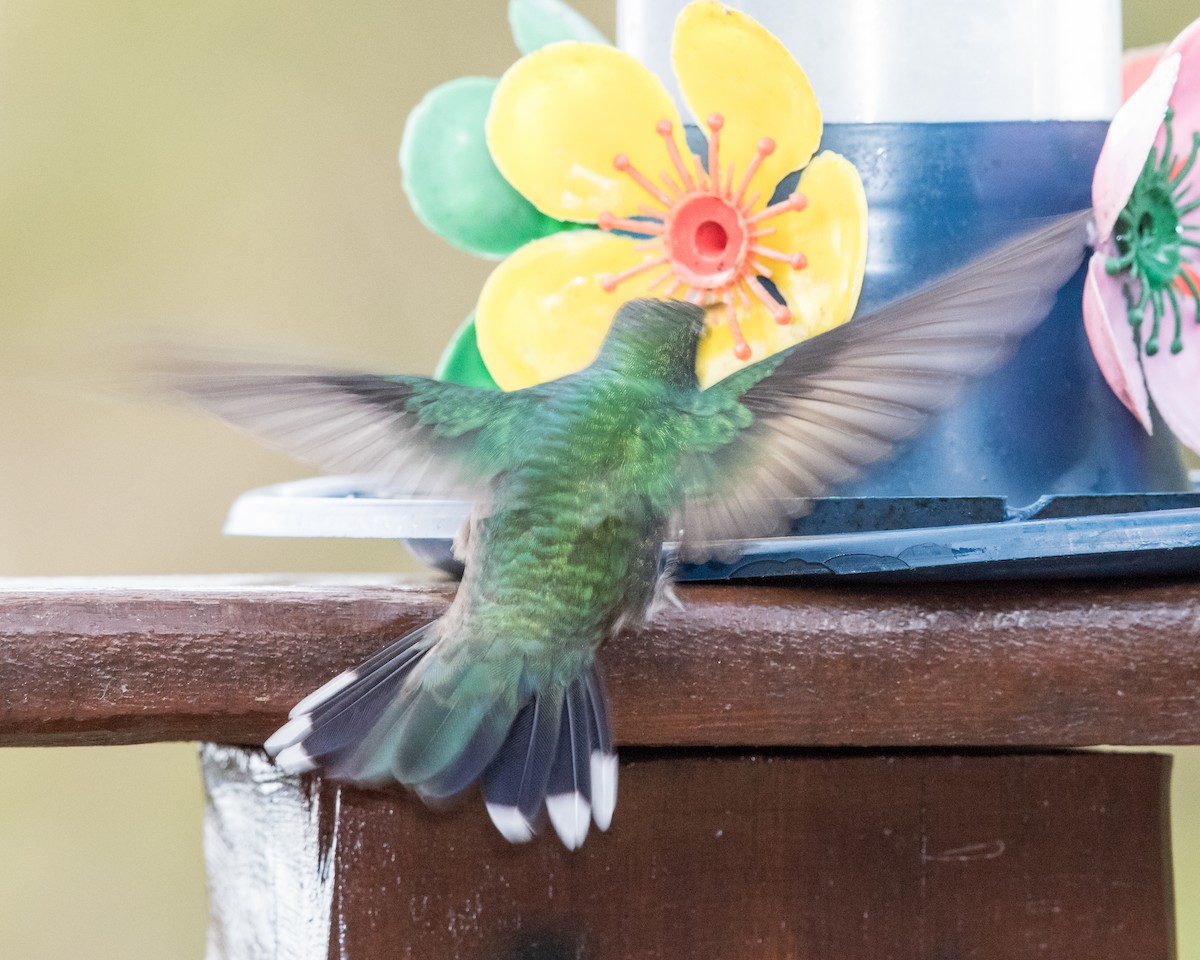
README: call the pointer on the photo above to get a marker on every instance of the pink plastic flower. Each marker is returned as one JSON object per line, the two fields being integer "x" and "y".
{"x": 1137, "y": 65}
{"x": 1143, "y": 284}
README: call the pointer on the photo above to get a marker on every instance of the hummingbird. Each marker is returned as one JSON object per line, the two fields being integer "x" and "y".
{"x": 576, "y": 484}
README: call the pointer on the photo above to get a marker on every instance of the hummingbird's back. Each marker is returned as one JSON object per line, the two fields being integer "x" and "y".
{"x": 566, "y": 550}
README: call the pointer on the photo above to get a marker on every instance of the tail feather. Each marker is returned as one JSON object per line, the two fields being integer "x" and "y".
{"x": 603, "y": 759}
{"x": 514, "y": 786}
{"x": 334, "y": 692}
{"x": 437, "y": 725}
{"x": 325, "y": 728}
{"x": 339, "y": 734}
{"x": 569, "y": 793}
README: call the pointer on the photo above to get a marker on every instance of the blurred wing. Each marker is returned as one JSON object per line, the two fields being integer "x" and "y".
{"x": 807, "y": 419}
{"x": 411, "y": 434}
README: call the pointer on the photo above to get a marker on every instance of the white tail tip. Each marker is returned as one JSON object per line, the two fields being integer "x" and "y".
{"x": 295, "y": 759}
{"x": 290, "y": 733}
{"x": 508, "y": 820}
{"x": 324, "y": 692}
{"x": 604, "y": 787}
{"x": 571, "y": 815}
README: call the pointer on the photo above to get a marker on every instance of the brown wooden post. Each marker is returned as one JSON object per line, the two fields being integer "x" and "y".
{"x": 723, "y": 855}
{"x": 808, "y": 771}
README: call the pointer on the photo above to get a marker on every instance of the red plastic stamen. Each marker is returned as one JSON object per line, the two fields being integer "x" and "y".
{"x": 797, "y": 202}
{"x": 741, "y": 349}
{"x": 797, "y": 261}
{"x": 715, "y": 123}
{"x": 610, "y": 281}
{"x": 766, "y": 147}
{"x": 622, "y": 162}
{"x": 781, "y": 313}
{"x": 662, "y": 278}
{"x": 606, "y": 221}
{"x": 665, "y": 130}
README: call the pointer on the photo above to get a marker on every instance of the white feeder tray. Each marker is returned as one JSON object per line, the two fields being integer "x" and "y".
{"x": 342, "y": 507}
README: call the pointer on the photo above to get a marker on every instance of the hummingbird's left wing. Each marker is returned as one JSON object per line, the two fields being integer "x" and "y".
{"x": 411, "y": 434}
{"x": 797, "y": 424}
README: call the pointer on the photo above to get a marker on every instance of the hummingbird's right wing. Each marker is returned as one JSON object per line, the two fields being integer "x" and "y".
{"x": 411, "y": 434}
{"x": 798, "y": 423}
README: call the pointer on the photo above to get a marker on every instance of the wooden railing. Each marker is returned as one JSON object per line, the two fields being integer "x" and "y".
{"x": 815, "y": 772}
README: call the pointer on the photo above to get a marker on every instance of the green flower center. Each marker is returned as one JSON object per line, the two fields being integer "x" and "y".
{"x": 1150, "y": 235}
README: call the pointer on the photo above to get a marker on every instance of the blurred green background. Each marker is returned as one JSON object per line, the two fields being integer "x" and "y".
{"x": 225, "y": 169}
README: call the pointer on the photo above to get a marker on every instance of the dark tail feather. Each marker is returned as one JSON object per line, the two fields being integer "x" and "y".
{"x": 604, "y": 757}
{"x": 558, "y": 753}
{"x": 327, "y": 727}
{"x": 514, "y": 786}
{"x": 569, "y": 793}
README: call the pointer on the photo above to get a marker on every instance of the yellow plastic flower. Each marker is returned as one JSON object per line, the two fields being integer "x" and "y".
{"x": 588, "y": 134}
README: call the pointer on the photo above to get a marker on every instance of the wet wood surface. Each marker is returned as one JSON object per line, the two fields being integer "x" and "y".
{"x": 223, "y": 659}
{"x": 713, "y": 855}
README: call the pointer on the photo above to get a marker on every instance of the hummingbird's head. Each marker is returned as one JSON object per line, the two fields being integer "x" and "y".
{"x": 654, "y": 339}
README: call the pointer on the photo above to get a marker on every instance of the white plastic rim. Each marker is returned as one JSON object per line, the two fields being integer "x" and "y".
{"x": 342, "y": 507}
{"x": 927, "y": 61}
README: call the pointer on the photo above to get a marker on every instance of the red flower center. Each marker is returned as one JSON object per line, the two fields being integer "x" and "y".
{"x": 705, "y": 233}
{"x": 706, "y": 240}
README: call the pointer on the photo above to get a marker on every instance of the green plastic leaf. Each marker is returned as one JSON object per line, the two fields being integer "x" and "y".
{"x": 536, "y": 23}
{"x": 461, "y": 362}
{"x": 451, "y": 181}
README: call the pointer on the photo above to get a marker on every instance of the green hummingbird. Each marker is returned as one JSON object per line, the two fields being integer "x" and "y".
{"x": 576, "y": 485}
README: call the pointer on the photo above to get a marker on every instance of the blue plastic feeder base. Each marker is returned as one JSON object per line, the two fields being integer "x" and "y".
{"x": 938, "y": 195}
{"x": 888, "y": 537}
